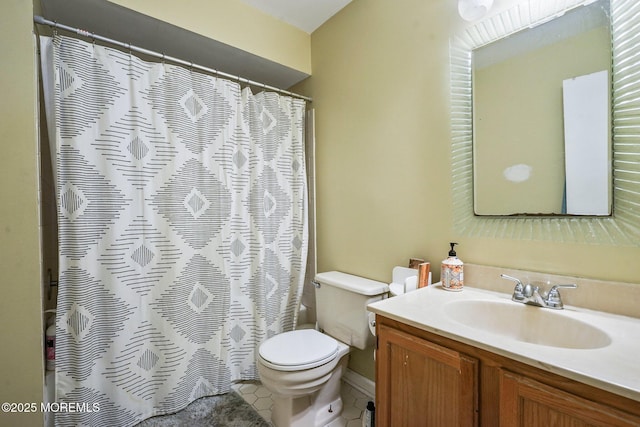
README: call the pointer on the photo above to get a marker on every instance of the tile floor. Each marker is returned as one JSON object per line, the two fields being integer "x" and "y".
{"x": 353, "y": 400}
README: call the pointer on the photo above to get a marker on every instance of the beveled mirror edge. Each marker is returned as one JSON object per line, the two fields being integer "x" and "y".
{"x": 623, "y": 227}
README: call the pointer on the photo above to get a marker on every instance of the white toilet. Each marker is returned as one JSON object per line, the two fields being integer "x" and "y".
{"x": 303, "y": 368}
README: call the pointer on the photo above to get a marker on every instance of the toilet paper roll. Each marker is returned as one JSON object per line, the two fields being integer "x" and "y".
{"x": 372, "y": 323}
{"x": 411, "y": 284}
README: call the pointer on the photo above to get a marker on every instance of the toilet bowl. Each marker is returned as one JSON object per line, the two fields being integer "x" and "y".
{"x": 305, "y": 384}
{"x": 303, "y": 368}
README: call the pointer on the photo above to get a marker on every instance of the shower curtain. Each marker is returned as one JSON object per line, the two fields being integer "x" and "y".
{"x": 182, "y": 216}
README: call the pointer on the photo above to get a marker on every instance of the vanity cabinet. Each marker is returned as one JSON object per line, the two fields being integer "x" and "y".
{"x": 525, "y": 402}
{"x": 423, "y": 384}
{"x": 424, "y": 379}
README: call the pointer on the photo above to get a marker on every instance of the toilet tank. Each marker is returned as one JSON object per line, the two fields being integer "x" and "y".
{"x": 341, "y": 306}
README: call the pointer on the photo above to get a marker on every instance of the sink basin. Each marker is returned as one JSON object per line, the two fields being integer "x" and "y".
{"x": 527, "y": 324}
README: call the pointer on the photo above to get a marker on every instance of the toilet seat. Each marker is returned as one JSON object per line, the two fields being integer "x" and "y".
{"x": 298, "y": 350}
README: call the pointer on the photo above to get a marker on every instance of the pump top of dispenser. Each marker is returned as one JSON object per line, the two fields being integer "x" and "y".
{"x": 452, "y": 252}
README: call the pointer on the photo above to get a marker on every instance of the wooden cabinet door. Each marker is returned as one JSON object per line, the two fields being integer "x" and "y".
{"x": 419, "y": 383}
{"x": 527, "y": 403}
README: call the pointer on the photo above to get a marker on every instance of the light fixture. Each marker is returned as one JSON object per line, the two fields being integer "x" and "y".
{"x": 470, "y": 10}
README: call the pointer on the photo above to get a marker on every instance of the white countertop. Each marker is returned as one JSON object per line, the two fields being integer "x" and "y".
{"x": 615, "y": 367}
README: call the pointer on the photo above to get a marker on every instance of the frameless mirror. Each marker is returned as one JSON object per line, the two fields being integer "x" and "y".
{"x": 622, "y": 227}
{"x": 541, "y": 118}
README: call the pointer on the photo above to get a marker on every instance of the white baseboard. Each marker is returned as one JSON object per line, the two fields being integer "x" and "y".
{"x": 360, "y": 383}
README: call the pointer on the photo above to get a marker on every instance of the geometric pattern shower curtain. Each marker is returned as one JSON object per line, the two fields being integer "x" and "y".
{"x": 182, "y": 212}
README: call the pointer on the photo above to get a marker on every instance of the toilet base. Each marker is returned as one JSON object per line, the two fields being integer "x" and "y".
{"x": 314, "y": 410}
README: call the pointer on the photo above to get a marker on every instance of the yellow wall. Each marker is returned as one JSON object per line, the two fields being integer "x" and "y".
{"x": 236, "y": 24}
{"x": 380, "y": 89}
{"x": 380, "y": 85}
{"x": 21, "y": 352}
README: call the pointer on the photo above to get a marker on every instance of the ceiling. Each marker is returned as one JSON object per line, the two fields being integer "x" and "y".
{"x": 119, "y": 23}
{"x": 306, "y": 15}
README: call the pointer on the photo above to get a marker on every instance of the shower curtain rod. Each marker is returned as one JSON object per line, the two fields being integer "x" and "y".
{"x": 43, "y": 21}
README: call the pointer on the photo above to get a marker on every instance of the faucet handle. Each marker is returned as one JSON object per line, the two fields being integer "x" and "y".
{"x": 553, "y": 299}
{"x": 518, "y": 291}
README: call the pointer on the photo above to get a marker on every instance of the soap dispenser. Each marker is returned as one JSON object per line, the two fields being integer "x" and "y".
{"x": 452, "y": 275}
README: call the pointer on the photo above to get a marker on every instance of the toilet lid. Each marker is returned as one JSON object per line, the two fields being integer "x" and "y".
{"x": 301, "y": 349}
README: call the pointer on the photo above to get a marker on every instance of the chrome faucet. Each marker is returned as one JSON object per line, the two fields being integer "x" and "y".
{"x": 532, "y": 295}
